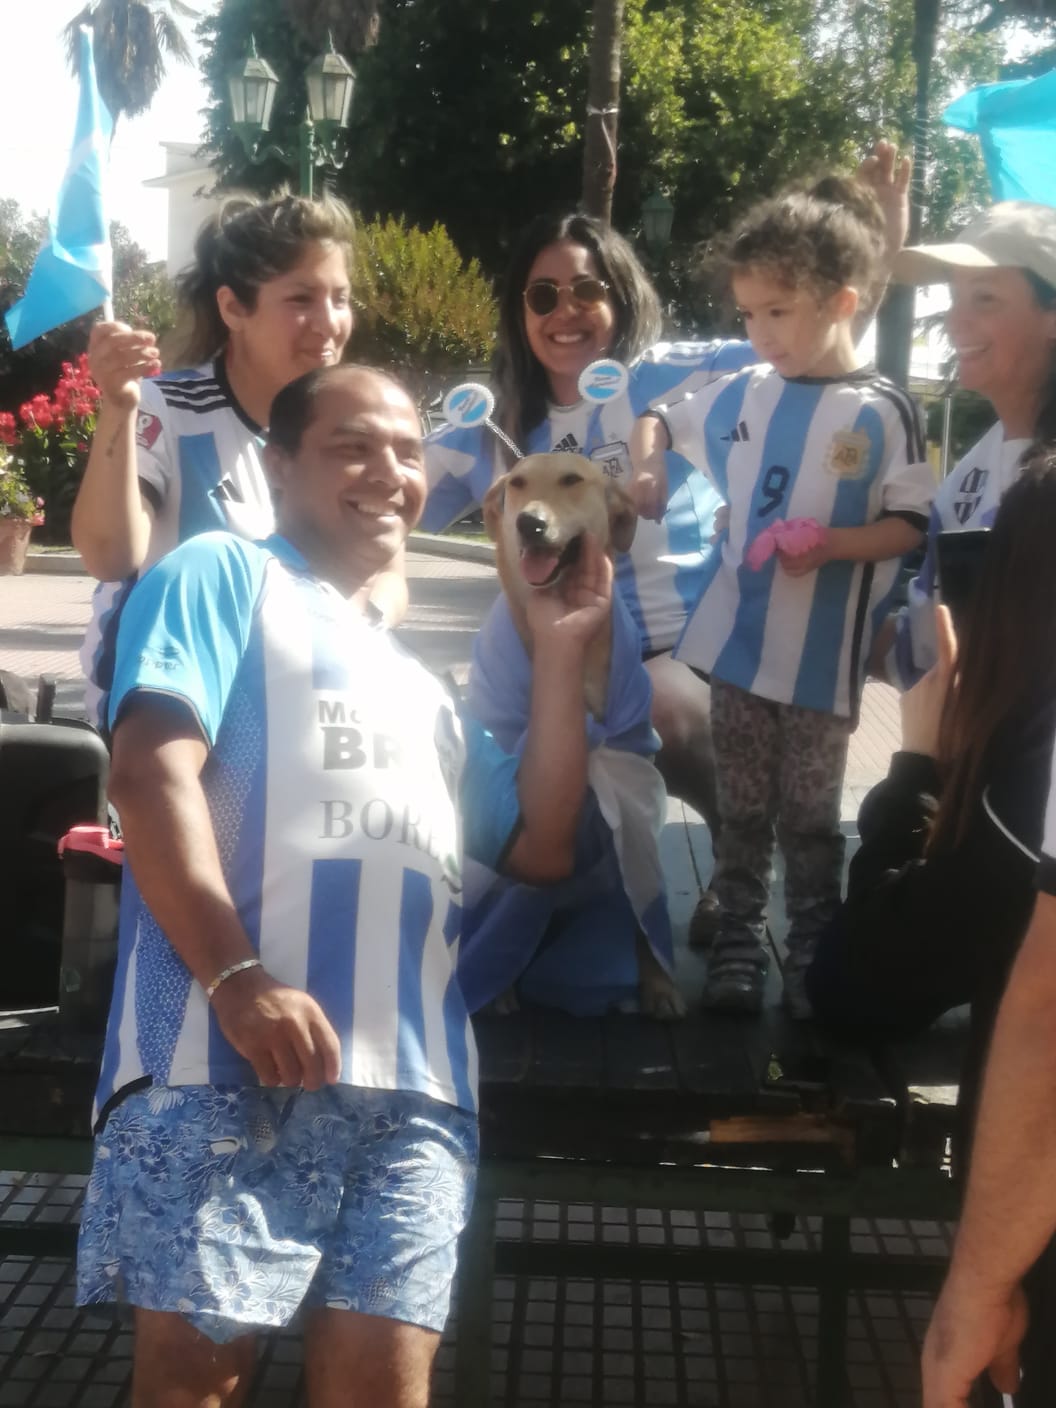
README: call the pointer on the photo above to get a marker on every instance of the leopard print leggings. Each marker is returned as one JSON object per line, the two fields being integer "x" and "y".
{"x": 779, "y": 770}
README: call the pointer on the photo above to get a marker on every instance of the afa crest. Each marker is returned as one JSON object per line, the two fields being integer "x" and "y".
{"x": 848, "y": 454}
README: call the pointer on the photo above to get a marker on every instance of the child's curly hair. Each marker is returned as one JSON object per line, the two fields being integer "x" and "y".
{"x": 821, "y": 237}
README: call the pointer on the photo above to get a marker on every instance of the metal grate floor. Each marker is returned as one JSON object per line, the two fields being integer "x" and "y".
{"x": 599, "y": 1344}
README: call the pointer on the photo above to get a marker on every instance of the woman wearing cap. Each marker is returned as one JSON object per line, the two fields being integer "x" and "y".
{"x": 1002, "y": 323}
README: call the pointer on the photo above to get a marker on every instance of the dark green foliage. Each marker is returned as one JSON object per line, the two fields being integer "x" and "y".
{"x": 421, "y": 311}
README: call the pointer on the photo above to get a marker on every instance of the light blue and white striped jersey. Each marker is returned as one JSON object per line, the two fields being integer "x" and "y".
{"x": 336, "y": 767}
{"x": 198, "y": 462}
{"x": 659, "y": 578}
{"x": 843, "y": 451}
{"x": 967, "y": 498}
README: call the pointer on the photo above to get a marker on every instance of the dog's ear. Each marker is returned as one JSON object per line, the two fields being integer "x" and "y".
{"x": 492, "y": 505}
{"x": 623, "y": 517}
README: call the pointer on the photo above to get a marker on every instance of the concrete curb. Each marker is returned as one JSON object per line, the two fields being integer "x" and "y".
{"x": 66, "y": 564}
{"x": 70, "y": 564}
{"x": 440, "y": 546}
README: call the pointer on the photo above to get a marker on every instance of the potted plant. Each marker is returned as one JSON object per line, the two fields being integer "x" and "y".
{"x": 20, "y": 513}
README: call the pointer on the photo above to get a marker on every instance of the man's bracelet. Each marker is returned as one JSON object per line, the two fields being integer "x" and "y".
{"x": 230, "y": 973}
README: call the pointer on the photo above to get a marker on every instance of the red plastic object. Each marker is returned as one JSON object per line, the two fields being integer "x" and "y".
{"x": 95, "y": 841}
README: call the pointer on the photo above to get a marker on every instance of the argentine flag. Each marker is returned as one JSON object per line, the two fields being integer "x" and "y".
{"x": 1016, "y": 125}
{"x": 73, "y": 271}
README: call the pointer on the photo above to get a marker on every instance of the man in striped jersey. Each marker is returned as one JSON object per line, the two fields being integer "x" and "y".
{"x": 286, "y": 1103}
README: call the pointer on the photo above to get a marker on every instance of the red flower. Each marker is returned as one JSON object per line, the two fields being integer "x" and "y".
{"x": 39, "y": 412}
{"x": 8, "y": 429}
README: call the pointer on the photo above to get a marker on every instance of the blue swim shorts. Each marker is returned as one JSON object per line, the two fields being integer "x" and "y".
{"x": 235, "y": 1207}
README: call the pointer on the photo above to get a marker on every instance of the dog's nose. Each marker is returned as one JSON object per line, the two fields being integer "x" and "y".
{"x": 531, "y": 527}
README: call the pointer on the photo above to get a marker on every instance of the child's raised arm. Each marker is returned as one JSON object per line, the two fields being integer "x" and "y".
{"x": 650, "y": 440}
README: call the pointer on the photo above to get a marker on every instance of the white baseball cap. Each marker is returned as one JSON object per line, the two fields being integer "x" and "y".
{"x": 1015, "y": 234}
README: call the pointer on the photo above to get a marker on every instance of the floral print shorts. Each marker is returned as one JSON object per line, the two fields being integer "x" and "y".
{"x": 235, "y": 1207}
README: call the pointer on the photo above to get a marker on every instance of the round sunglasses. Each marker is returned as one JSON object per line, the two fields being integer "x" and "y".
{"x": 543, "y": 295}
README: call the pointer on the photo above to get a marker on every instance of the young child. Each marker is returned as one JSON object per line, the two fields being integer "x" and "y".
{"x": 785, "y": 619}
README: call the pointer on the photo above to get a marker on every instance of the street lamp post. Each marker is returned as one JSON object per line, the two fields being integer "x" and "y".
{"x": 330, "y": 80}
{"x": 658, "y": 215}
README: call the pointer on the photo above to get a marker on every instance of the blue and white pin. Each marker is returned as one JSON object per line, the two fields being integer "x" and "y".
{"x": 471, "y": 405}
{"x": 602, "y": 381}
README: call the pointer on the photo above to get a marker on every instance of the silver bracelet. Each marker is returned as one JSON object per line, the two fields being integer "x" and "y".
{"x": 230, "y": 973}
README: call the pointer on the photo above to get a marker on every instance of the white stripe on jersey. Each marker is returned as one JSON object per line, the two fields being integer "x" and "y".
{"x": 376, "y": 1011}
{"x": 193, "y": 1039}
{"x": 291, "y": 740}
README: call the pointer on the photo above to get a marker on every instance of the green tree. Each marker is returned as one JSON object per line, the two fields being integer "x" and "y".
{"x": 473, "y": 113}
{"x": 143, "y": 296}
{"x": 421, "y": 310}
{"x": 132, "y": 39}
{"x": 353, "y": 24}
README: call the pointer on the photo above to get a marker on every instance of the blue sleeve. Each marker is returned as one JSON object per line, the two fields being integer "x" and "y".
{"x": 491, "y": 806}
{"x": 664, "y": 370}
{"x": 186, "y": 625}
{"x": 459, "y": 467}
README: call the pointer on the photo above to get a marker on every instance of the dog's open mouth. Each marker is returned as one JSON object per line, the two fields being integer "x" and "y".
{"x": 541, "y": 567}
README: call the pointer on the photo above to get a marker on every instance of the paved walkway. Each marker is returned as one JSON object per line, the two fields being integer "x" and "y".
{"x": 555, "y": 1342}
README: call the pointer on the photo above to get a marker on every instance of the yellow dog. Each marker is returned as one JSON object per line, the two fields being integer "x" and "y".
{"x": 537, "y": 515}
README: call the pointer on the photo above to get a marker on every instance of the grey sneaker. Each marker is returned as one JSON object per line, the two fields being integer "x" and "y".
{"x": 705, "y": 921}
{"x": 736, "y": 980}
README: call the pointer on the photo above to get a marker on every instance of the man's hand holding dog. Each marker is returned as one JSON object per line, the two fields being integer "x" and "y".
{"x": 571, "y": 613}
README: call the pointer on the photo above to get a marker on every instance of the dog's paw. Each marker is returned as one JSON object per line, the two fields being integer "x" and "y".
{"x": 659, "y": 998}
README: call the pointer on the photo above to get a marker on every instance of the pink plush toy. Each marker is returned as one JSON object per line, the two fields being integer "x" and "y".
{"x": 792, "y": 535}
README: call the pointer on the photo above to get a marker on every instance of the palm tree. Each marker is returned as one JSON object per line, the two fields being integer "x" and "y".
{"x": 354, "y": 24}
{"x": 132, "y": 39}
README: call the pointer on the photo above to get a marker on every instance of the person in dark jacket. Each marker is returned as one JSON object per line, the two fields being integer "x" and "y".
{"x": 941, "y": 889}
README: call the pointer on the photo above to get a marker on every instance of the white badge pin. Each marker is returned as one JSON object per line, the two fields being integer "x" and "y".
{"x": 469, "y": 405}
{"x": 603, "y": 381}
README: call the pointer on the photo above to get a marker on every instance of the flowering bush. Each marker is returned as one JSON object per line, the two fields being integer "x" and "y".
{"x": 16, "y": 500}
{"x": 49, "y": 441}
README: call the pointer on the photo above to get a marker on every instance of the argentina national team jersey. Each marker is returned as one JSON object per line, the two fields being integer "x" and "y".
{"x": 659, "y": 579}
{"x": 968, "y": 497}
{"x": 333, "y": 780}
{"x": 198, "y": 464}
{"x": 844, "y": 452}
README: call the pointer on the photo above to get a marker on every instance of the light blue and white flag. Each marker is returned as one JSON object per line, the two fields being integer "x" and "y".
{"x": 73, "y": 272}
{"x": 1016, "y": 126}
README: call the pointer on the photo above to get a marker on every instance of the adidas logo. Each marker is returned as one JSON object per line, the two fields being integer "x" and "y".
{"x": 738, "y": 433}
{"x": 568, "y": 446}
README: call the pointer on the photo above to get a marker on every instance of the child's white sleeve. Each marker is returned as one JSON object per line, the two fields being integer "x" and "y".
{"x": 908, "y": 485}
{"x": 685, "y": 427}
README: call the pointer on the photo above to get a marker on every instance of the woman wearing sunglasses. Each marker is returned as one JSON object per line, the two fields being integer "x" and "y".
{"x": 575, "y": 291}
